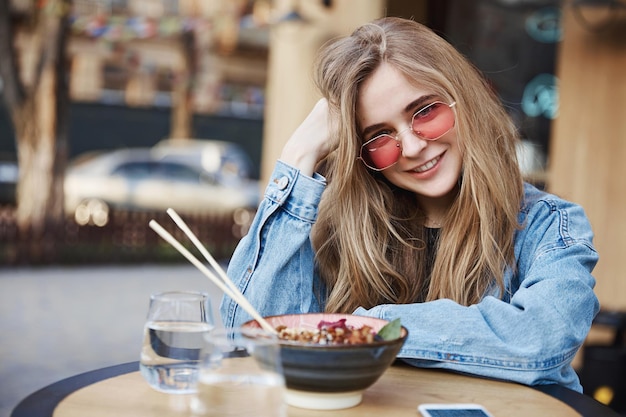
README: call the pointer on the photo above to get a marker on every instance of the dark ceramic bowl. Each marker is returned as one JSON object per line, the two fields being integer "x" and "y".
{"x": 332, "y": 376}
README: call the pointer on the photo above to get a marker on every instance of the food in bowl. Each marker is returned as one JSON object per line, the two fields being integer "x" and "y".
{"x": 339, "y": 333}
{"x": 332, "y": 376}
{"x": 328, "y": 333}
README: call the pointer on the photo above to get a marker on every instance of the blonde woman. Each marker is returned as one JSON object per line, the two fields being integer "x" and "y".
{"x": 400, "y": 196}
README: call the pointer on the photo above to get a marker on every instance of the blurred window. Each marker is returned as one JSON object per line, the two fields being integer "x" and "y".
{"x": 170, "y": 7}
{"x": 133, "y": 170}
{"x": 177, "y": 172}
{"x": 164, "y": 79}
{"x": 118, "y": 6}
{"x": 115, "y": 77}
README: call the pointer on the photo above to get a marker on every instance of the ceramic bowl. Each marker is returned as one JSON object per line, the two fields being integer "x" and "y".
{"x": 331, "y": 377}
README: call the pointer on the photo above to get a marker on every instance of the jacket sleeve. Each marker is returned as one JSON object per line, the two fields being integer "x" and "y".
{"x": 273, "y": 265}
{"x": 532, "y": 333}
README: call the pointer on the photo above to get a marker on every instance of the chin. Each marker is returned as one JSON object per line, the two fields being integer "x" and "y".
{"x": 438, "y": 191}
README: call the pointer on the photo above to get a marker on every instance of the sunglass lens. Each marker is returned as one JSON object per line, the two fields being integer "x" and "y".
{"x": 381, "y": 152}
{"x": 433, "y": 121}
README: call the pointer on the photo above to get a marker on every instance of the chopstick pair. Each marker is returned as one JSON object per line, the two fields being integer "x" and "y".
{"x": 223, "y": 282}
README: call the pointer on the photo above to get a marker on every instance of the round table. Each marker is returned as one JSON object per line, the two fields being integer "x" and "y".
{"x": 120, "y": 391}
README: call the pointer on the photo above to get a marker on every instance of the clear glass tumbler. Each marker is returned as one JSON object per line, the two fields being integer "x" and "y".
{"x": 173, "y": 336}
{"x": 240, "y": 375}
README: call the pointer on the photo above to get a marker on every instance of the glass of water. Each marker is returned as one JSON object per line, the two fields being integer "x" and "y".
{"x": 173, "y": 336}
{"x": 240, "y": 375}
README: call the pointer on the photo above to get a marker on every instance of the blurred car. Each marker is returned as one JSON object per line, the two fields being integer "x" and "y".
{"x": 153, "y": 179}
{"x": 8, "y": 179}
{"x": 225, "y": 159}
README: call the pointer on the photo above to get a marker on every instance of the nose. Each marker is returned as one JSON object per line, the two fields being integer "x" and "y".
{"x": 412, "y": 144}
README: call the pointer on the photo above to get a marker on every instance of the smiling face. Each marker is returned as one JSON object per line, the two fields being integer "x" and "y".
{"x": 429, "y": 168}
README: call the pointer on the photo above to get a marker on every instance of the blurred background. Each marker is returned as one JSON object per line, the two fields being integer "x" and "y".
{"x": 111, "y": 111}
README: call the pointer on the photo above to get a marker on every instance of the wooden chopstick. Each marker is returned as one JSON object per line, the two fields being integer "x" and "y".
{"x": 183, "y": 226}
{"x": 236, "y": 295}
{"x": 241, "y": 299}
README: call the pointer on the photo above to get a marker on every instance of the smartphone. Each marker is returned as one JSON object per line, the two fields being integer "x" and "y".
{"x": 453, "y": 410}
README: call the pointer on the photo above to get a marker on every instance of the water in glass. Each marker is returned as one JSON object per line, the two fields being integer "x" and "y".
{"x": 240, "y": 375}
{"x": 173, "y": 337}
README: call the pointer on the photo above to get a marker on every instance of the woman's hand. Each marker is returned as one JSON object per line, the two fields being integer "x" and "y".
{"x": 310, "y": 142}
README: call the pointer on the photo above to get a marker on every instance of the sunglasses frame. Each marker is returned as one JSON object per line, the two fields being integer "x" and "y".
{"x": 410, "y": 128}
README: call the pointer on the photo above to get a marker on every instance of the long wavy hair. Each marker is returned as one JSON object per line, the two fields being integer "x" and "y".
{"x": 370, "y": 238}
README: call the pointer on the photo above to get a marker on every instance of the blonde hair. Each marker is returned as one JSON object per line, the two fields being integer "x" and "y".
{"x": 370, "y": 238}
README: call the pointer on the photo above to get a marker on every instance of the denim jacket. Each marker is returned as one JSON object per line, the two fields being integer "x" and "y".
{"x": 528, "y": 336}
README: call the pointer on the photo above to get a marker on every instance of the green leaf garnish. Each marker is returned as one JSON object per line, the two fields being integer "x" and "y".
{"x": 391, "y": 330}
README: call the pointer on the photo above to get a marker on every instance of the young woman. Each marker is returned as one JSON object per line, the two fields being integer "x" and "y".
{"x": 400, "y": 196}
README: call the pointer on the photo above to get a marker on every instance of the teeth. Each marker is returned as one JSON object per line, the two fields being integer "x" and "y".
{"x": 428, "y": 165}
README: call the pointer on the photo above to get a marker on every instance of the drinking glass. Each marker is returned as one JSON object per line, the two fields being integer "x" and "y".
{"x": 173, "y": 337}
{"x": 240, "y": 375}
